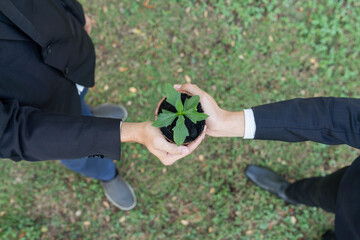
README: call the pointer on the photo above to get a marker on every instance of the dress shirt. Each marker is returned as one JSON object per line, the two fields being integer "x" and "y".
{"x": 250, "y": 125}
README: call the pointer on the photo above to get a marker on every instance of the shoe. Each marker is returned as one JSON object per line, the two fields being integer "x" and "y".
{"x": 329, "y": 235}
{"x": 269, "y": 181}
{"x": 110, "y": 111}
{"x": 119, "y": 193}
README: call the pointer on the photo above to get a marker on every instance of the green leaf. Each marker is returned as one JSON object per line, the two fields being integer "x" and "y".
{"x": 164, "y": 119}
{"x": 195, "y": 116}
{"x": 171, "y": 94}
{"x": 179, "y": 106}
{"x": 180, "y": 131}
{"x": 191, "y": 102}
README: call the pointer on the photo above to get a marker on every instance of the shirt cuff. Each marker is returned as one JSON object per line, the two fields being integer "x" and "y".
{"x": 250, "y": 125}
{"x": 80, "y": 88}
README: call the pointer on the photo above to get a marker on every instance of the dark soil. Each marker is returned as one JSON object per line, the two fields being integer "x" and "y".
{"x": 194, "y": 129}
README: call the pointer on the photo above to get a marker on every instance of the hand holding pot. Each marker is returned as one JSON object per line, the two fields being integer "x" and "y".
{"x": 88, "y": 24}
{"x": 152, "y": 138}
{"x": 220, "y": 123}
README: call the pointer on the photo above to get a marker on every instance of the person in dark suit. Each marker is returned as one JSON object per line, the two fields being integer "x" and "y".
{"x": 47, "y": 63}
{"x": 326, "y": 120}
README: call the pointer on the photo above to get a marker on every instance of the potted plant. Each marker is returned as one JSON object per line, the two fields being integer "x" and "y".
{"x": 180, "y": 116}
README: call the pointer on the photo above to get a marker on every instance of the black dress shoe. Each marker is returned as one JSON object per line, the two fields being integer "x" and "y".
{"x": 329, "y": 235}
{"x": 269, "y": 181}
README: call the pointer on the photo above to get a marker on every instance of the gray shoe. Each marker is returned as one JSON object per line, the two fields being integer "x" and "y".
{"x": 119, "y": 193}
{"x": 110, "y": 111}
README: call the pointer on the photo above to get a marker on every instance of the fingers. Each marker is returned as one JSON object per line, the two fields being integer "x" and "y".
{"x": 189, "y": 88}
{"x": 172, "y": 148}
{"x": 87, "y": 26}
{"x": 170, "y": 157}
{"x": 161, "y": 145}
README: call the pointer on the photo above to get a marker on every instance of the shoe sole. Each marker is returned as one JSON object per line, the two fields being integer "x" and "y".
{"x": 121, "y": 207}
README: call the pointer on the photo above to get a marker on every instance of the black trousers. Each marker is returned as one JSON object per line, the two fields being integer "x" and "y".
{"x": 317, "y": 191}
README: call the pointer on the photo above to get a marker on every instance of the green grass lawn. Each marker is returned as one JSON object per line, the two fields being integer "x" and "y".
{"x": 244, "y": 53}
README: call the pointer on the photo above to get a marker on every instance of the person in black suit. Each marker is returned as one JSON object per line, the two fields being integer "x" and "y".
{"x": 326, "y": 120}
{"x": 47, "y": 63}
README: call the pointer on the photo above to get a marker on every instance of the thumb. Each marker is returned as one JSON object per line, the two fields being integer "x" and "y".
{"x": 174, "y": 149}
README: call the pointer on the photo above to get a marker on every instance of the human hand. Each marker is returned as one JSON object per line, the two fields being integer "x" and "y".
{"x": 220, "y": 123}
{"x": 144, "y": 133}
{"x": 87, "y": 26}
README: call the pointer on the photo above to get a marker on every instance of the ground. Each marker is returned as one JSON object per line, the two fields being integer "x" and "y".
{"x": 244, "y": 53}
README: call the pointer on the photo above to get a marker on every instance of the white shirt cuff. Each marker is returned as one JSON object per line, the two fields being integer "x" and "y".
{"x": 80, "y": 88}
{"x": 250, "y": 126}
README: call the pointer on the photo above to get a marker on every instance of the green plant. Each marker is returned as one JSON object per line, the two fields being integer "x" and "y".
{"x": 188, "y": 109}
{"x": 211, "y": 195}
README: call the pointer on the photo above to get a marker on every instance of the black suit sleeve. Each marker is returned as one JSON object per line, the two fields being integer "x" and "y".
{"x": 29, "y": 134}
{"x": 325, "y": 120}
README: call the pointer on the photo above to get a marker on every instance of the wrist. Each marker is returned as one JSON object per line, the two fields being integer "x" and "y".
{"x": 232, "y": 124}
{"x": 133, "y": 132}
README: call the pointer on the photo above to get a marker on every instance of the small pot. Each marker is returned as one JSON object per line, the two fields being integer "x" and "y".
{"x": 195, "y": 130}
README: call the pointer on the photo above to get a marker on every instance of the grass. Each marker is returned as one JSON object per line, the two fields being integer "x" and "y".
{"x": 244, "y": 53}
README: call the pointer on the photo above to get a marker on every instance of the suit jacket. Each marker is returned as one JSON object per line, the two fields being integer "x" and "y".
{"x": 44, "y": 52}
{"x": 325, "y": 120}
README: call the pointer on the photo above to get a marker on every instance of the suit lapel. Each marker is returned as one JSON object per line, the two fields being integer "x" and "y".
{"x": 17, "y": 18}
